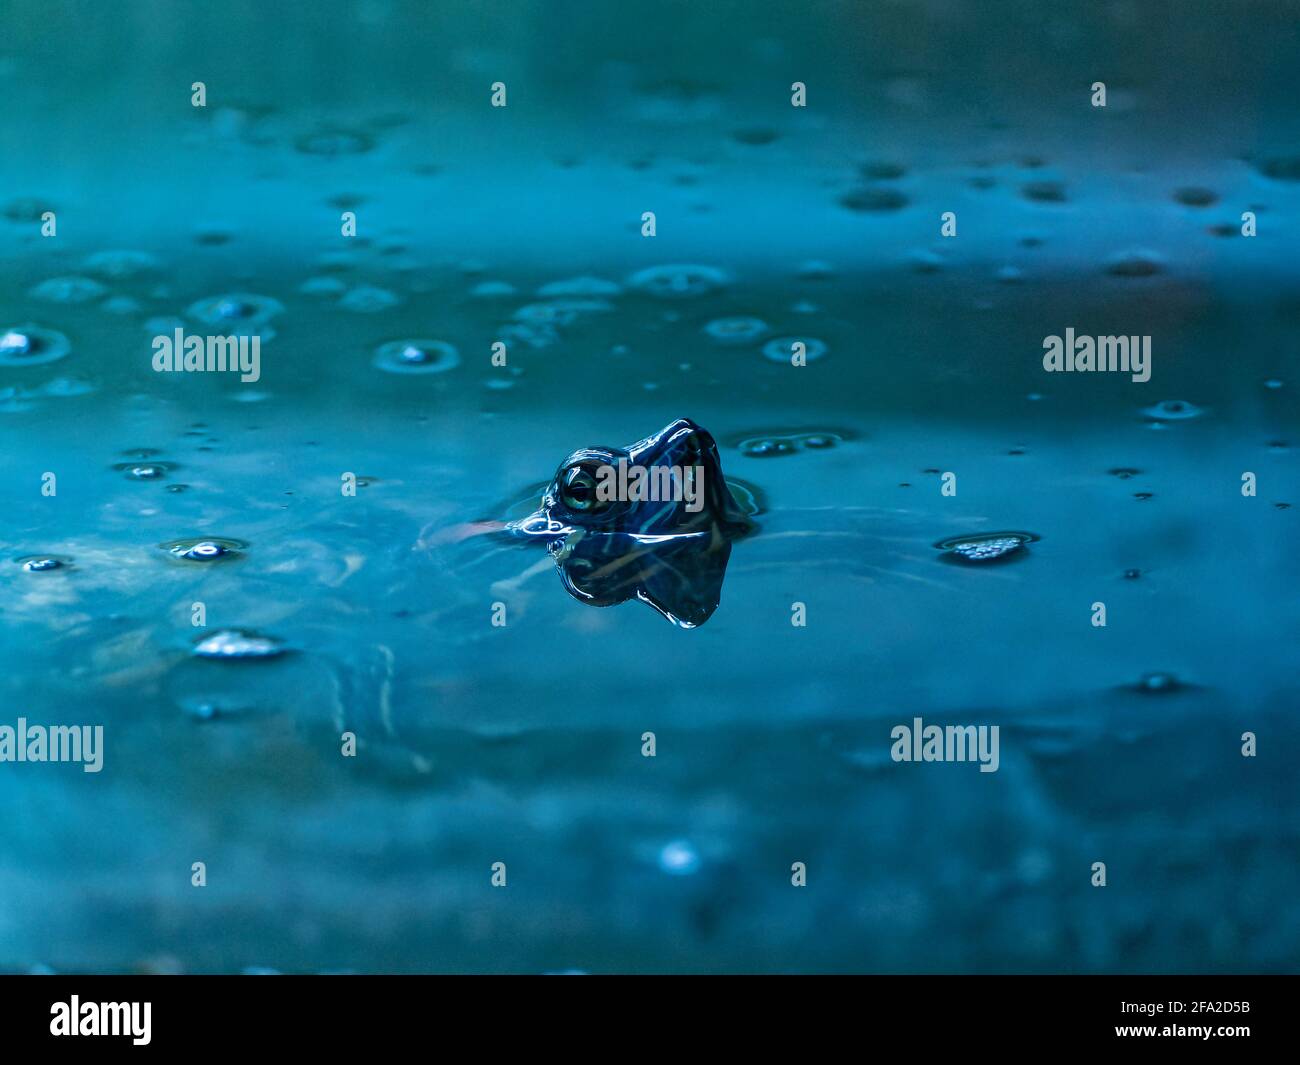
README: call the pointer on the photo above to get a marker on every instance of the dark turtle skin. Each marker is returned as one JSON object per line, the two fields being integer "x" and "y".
{"x": 661, "y": 552}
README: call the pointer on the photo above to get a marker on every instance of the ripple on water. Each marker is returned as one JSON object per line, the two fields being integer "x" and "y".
{"x": 145, "y": 470}
{"x": 985, "y": 547}
{"x": 43, "y": 563}
{"x": 580, "y": 286}
{"x": 369, "y": 299}
{"x": 31, "y": 345}
{"x": 241, "y": 310}
{"x": 416, "y": 356}
{"x": 1158, "y": 684}
{"x": 119, "y": 263}
{"x": 1137, "y": 263}
{"x": 736, "y": 331}
{"x": 25, "y": 209}
{"x": 1044, "y": 192}
{"x": 1173, "y": 410}
{"x": 70, "y": 289}
{"x": 873, "y": 200}
{"x": 334, "y": 141}
{"x": 1194, "y": 196}
{"x": 781, "y": 349}
{"x": 882, "y": 170}
{"x": 561, "y": 312}
{"x": 675, "y": 281}
{"x": 205, "y": 549}
{"x": 322, "y": 286}
{"x": 233, "y": 644}
{"x": 1282, "y": 168}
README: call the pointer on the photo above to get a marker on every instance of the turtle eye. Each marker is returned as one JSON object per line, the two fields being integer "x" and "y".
{"x": 578, "y": 490}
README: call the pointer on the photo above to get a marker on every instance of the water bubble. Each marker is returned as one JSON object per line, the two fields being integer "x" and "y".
{"x": 987, "y": 547}
{"x": 679, "y": 858}
{"x": 1134, "y": 264}
{"x": 676, "y": 281}
{"x": 119, "y": 263}
{"x": 492, "y": 289}
{"x": 782, "y": 348}
{"x": 1284, "y": 168}
{"x": 369, "y": 299}
{"x": 43, "y": 563}
{"x": 335, "y": 141}
{"x": 31, "y": 345}
{"x": 882, "y": 170}
{"x": 67, "y": 290}
{"x": 561, "y": 312}
{"x": 580, "y": 286}
{"x": 760, "y": 449}
{"x": 535, "y": 336}
{"x": 235, "y": 309}
{"x": 322, "y": 286}
{"x": 740, "y": 330}
{"x": 755, "y": 137}
{"x": 1158, "y": 683}
{"x": 163, "y": 325}
{"x": 25, "y": 209}
{"x": 120, "y": 305}
{"x": 206, "y": 549}
{"x": 815, "y": 270}
{"x": 872, "y": 199}
{"x": 774, "y": 445}
{"x": 212, "y": 238}
{"x": 925, "y": 261}
{"x": 1195, "y": 197}
{"x": 231, "y": 644}
{"x": 1169, "y": 410}
{"x": 1044, "y": 192}
{"x": 416, "y": 356}
{"x": 145, "y": 471}
{"x": 65, "y": 386}
{"x": 200, "y": 709}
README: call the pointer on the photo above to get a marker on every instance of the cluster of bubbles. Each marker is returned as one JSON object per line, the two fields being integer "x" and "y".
{"x": 987, "y": 547}
{"x": 227, "y": 644}
{"x": 773, "y": 445}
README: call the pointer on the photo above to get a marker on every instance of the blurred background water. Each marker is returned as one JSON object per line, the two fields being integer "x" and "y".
{"x": 522, "y": 744}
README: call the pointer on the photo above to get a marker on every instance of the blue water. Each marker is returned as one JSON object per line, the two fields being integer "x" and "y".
{"x": 522, "y": 743}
